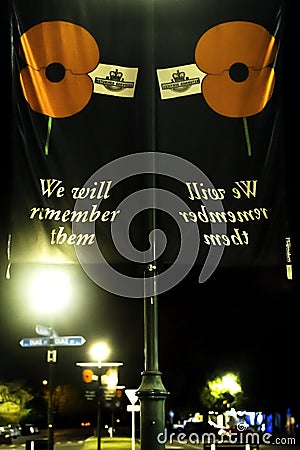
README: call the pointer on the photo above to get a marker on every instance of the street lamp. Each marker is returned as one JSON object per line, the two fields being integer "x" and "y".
{"x": 49, "y": 292}
{"x": 99, "y": 352}
{"x": 151, "y": 393}
{"x": 108, "y": 381}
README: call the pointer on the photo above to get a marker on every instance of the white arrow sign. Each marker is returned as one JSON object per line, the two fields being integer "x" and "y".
{"x": 131, "y": 394}
{"x": 45, "y": 331}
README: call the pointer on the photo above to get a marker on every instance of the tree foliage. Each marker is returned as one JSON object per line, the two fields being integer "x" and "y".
{"x": 221, "y": 393}
{"x": 14, "y": 399}
{"x": 63, "y": 399}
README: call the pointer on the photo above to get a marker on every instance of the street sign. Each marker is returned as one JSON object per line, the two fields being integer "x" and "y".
{"x": 51, "y": 356}
{"x": 131, "y": 395}
{"x": 69, "y": 340}
{"x": 133, "y": 408}
{"x": 34, "y": 342}
{"x": 52, "y": 342}
{"x": 45, "y": 331}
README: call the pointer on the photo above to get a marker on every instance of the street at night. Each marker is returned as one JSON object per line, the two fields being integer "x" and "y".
{"x": 149, "y": 241}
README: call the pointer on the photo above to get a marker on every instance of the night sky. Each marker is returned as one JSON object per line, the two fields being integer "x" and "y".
{"x": 238, "y": 320}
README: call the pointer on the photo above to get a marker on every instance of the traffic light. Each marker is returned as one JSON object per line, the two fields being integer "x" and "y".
{"x": 87, "y": 375}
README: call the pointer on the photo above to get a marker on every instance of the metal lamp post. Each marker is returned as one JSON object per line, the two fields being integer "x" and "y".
{"x": 51, "y": 355}
{"x": 151, "y": 393}
{"x": 51, "y": 359}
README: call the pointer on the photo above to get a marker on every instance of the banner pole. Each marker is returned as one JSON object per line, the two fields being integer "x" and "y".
{"x": 151, "y": 393}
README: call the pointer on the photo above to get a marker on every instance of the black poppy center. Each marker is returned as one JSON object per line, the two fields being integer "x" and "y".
{"x": 55, "y": 72}
{"x": 238, "y": 72}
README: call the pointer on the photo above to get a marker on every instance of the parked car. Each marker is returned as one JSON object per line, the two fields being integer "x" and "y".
{"x": 27, "y": 429}
{"x": 5, "y": 436}
{"x": 14, "y": 430}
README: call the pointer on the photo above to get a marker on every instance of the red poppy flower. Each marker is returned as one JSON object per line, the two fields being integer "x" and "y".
{"x": 59, "y": 56}
{"x": 236, "y": 56}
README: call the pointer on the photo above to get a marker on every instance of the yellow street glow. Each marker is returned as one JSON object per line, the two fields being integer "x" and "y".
{"x": 49, "y": 289}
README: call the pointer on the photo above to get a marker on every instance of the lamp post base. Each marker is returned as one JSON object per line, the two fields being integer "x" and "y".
{"x": 152, "y": 395}
{"x": 50, "y": 437}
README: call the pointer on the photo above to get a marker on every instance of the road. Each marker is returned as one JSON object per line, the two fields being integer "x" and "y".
{"x": 74, "y": 439}
{"x": 66, "y": 438}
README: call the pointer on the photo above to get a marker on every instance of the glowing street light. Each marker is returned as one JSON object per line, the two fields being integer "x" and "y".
{"x": 99, "y": 352}
{"x": 49, "y": 290}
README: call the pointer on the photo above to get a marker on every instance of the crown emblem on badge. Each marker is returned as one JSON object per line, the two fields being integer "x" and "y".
{"x": 115, "y": 75}
{"x": 178, "y": 76}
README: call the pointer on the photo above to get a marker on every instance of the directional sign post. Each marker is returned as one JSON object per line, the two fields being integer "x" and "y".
{"x": 133, "y": 398}
{"x": 49, "y": 338}
{"x": 59, "y": 341}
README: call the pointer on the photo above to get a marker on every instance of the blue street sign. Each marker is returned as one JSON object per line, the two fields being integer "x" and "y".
{"x": 34, "y": 342}
{"x": 52, "y": 342}
{"x": 69, "y": 340}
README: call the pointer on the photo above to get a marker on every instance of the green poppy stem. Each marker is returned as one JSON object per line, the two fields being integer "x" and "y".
{"x": 48, "y": 136}
{"x": 247, "y": 136}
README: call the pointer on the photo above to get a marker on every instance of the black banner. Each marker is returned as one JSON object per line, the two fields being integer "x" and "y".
{"x": 175, "y": 107}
